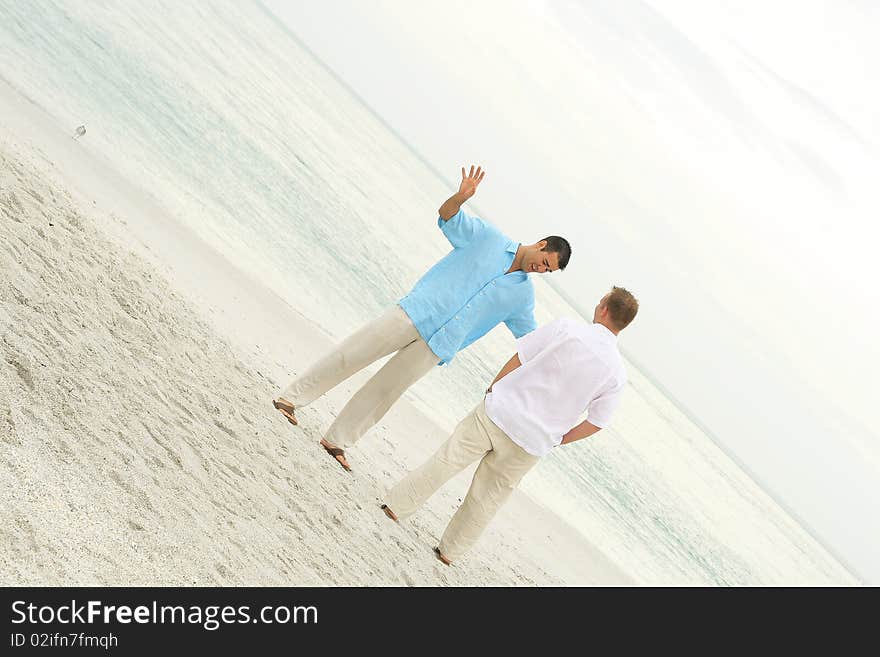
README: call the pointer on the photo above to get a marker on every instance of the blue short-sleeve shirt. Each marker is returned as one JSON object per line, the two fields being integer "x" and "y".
{"x": 467, "y": 293}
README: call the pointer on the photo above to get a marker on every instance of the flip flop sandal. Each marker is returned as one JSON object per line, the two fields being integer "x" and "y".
{"x": 334, "y": 452}
{"x": 286, "y": 411}
{"x": 441, "y": 557}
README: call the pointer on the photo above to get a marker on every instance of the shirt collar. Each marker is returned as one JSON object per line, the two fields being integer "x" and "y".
{"x": 512, "y": 248}
{"x": 605, "y": 332}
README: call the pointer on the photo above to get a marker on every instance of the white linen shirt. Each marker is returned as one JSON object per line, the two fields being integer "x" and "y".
{"x": 568, "y": 367}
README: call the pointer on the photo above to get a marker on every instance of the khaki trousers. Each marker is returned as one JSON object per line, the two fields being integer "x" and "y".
{"x": 503, "y": 464}
{"x": 393, "y": 331}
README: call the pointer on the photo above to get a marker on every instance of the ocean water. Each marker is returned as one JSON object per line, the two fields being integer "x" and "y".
{"x": 220, "y": 112}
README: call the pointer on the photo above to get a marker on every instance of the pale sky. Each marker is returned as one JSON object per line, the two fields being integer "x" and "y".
{"x": 717, "y": 158}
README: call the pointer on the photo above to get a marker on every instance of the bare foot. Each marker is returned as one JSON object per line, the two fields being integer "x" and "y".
{"x": 441, "y": 557}
{"x": 286, "y": 409}
{"x": 389, "y": 512}
{"x": 336, "y": 453}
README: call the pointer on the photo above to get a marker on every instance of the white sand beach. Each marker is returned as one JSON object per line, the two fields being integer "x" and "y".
{"x": 138, "y": 444}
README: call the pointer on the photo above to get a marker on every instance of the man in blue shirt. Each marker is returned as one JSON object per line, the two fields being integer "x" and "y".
{"x": 481, "y": 282}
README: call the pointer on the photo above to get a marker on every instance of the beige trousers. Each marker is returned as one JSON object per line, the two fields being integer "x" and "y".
{"x": 393, "y": 331}
{"x": 503, "y": 464}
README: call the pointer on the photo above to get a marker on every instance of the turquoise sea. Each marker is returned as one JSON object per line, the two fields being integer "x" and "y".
{"x": 219, "y": 111}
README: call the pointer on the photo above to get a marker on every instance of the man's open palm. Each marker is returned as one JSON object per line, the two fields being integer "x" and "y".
{"x": 470, "y": 181}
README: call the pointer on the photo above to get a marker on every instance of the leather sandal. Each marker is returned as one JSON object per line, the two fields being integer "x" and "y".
{"x": 336, "y": 452}
{"x": 286, "y": 410}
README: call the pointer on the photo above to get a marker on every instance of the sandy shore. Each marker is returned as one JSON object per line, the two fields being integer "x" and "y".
{"x": 137, "y": 440}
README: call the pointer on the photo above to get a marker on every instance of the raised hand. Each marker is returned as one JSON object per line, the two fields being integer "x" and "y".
{"x": 469, "y": 182}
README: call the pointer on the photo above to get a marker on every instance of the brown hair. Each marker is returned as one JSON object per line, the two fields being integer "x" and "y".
{"x": 622, "y": 307}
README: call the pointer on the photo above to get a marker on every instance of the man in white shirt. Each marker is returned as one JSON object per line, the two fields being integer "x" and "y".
{"x": 559, "y": 371}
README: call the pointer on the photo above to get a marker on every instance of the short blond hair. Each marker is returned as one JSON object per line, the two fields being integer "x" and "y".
{"x": 622, "y": 307}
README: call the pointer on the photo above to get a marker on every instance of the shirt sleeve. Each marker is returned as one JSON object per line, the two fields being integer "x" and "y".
{"x": 603, "y": 407}
{"x": 533, "y": 343}
{"x": 461, "y": 228}
{"x": 522, "y": 323}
